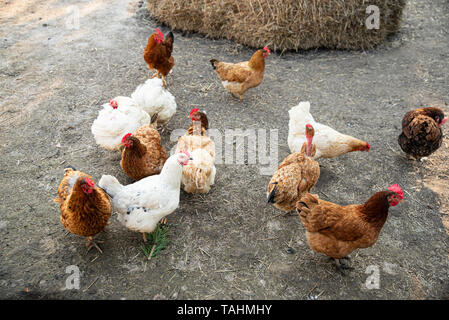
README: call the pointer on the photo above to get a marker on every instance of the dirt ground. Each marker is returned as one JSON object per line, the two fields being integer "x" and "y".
{"x": 227, "y": 244}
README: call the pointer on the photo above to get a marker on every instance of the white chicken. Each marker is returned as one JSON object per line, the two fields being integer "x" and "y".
{"x": 199, "y": 174}
{"x": 329, "y": 142}
{"x": 152, "y": 97}
{"x": 120, "y": 116}
{"x": 144, "y": 203}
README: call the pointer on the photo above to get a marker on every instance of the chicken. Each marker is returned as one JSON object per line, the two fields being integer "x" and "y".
{"x": 338, "y": 230}
{"x": 295, "y": 176}
{"x": 85, "y": 208}
{"x": 239, "y": 77}
{"x": 158, "y": 52}
{"x": 200, "y": 123}
{"x": 118, "y": 117}
{"x": 421, "y": 132}
{"x": 199, "y": 174}
{"x": 153, "y": 98}
{"x": 143, "y": 155}
{"x": 142, "y": 204}
{"x": 329, "y": 142}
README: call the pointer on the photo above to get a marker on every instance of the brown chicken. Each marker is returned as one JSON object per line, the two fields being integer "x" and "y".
{"x": 143, "y": 154}
{"x": 197, "y": 115}
{"x": 421, "y": 132}
{"x": 85, "y": 208}
{"x": 295, "y": 176}
{"x": 239, "y": 77}
{"x": 199, "y": 175}
{"x": 158, "y": 52}
{"x": 338, "y": 230}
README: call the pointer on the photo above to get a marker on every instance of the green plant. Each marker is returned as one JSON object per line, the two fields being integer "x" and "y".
{"x": 156, "y": 241}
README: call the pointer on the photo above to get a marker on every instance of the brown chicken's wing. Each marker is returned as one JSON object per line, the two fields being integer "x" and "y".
{"x": 315, "y": 216}
{"x": 233, "y": 72}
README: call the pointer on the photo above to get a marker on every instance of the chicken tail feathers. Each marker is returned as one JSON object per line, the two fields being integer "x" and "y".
{"x": 213, "y": 62}
{"x": 170, "y": 36}
{"x": 304, "y": 204}
{"x": 70, "y": 167}
{"x": 168, "y": 43}
{"x": 154, "y": 118}
{"x": 271, "y": 195}
{"x": 110, "y": 185}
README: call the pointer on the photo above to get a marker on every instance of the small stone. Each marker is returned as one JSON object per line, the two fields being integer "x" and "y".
{"x": 3, "y": 224}
{"x": 290, "y": 250}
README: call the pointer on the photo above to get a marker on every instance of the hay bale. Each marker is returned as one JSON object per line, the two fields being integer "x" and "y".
{"x": 282, "y": 24}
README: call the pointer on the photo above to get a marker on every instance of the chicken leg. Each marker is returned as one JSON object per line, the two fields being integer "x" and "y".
{"x": 91, "y": 243}
{"x": 342, "y": 266}
{"x": 156, "y": 74}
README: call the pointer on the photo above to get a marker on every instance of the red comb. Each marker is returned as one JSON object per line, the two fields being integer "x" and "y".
{"x": 397, "y": 189}
{"x": 308, "y": 125}
{"x": 159, "y": 32}
{"x": 113, "y": 103}
{"x": 368, "y": 146}
{"x": 266, "y": 49}
{"x": 193, "y": 111}
{"x": 89, "y": 182}
{"x": 126, "y": 137}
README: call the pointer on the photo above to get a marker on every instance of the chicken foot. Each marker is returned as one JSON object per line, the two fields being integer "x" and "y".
{"x": 341, "y": 267}
{"x": 91, "y": 243}
{"x": 236, "y": 95}
{"x": 163, "y": 128}
{"x": 164, "y": 83}
{"x": 160, "y": 76}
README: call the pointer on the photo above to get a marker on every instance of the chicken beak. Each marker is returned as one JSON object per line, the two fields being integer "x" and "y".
{"x": 401, "y": 201}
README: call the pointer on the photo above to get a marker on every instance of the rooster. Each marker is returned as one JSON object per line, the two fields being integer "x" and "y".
{"x": 295, "y": 176}
{"x": 85, "y": 208}
{"x": 338, "y": 230}
{"x": 143, "y": 155}
{"x": 118, "y": 117}
{"x": 153, "y": 98}
{"x": 158, "y": 52}
{"x": 199, "y": 174}
{"x": 239, "y": 77}
{"x": 329, "y": 142}
{"x": 144, "y": 203}
{"x": 421, "y": 132}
